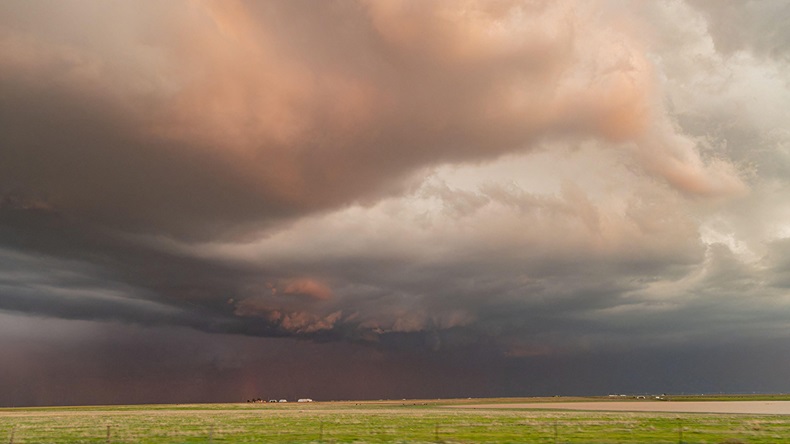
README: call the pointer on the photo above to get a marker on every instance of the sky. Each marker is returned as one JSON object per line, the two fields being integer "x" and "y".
{"x": 212, "y": 201}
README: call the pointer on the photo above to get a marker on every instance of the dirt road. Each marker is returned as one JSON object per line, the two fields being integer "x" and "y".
{"x": 744, "y": 407}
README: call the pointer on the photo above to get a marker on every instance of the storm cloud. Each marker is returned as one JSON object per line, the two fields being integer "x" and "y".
{"x": 515, "y": 183}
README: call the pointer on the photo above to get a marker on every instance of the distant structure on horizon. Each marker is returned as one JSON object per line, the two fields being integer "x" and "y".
{"x": 261, "y": 400}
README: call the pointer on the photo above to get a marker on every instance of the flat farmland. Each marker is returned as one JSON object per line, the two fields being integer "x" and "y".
{"x": 415, "y": 421}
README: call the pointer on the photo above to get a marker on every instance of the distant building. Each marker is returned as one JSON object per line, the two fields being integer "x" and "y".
{"x": 304, "y": 400}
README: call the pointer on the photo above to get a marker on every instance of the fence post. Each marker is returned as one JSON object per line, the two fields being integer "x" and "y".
{"x": 436, "y": 432}
{"x": 321, "y": 432}
{"x": 211, "y": 434}
{"x": 555, "y": 431}
{"x": 108, "y": 434}
{"x": 11, "y": 439}
{"x": 680, "y": 432}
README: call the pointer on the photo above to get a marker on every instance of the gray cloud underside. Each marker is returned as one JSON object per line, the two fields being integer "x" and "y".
{"x": 522, "y": 304}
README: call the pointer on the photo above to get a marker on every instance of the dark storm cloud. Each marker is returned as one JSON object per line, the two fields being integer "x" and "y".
{"x": 42, "y": 286}
{"x": 503, "y": 182}
{"x": 516, "y": 294}
{"x": 54, "y": 267}
{"x": 484, "y": 293}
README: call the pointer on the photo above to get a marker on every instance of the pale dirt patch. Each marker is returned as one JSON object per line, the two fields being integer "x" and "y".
{"x": 742, "y": 407}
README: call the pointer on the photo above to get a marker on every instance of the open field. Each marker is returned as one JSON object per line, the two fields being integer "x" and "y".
{"x": 449, "y": 421}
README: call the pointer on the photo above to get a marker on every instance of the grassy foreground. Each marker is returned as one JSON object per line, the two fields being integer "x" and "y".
{"x": 376, "y": 422}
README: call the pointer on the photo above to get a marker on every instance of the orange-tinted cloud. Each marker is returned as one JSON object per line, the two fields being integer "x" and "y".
{"x": 307, "y": 287}
{"x": 215, "y": 117}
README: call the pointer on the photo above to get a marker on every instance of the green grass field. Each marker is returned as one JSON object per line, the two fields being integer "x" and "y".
{"x": 379, "y": 422}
